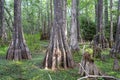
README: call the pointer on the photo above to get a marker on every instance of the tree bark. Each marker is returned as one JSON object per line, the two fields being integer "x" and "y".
{"x": 115, "y": 51}
{"x": 79, "y": 37}
{"x": 51, "y": 13}
{"x": 111, "y": 24}
{"x": 18, "y": 49}
{"x": 99, "y": 40}
{"x": 96, "y": 14}
{"x": 64, "y": 3}
{"x": 58, "y": 53}
{"x": 117, "y": 30}
{"x": 3, "y": 34}
{"x": 106, "y": 13}
{"x": 73, "y": 38}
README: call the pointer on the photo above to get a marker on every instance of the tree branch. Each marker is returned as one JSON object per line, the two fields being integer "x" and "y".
{"x": 97, "y": 76}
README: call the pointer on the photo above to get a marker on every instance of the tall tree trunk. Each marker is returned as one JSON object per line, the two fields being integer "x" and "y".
{"x": 58, "y": 53}
{"x": 100, "y": 21}
{"x": 73, "y": 37}
{"x": 106, "y": 13}
{"x": 99, "y": 41}
{"x": 96, "y": 14}
{"x": 111, "y": 24}
{"x": 18, "y": 49}
{"x": 51, "y": 14}
{"x": 3, "y": 34}
{"x": 115, "y": 51}
{"x": 48, "y": 19}
{"x": 117, "y": 30}
{"x": 79, "y": 37}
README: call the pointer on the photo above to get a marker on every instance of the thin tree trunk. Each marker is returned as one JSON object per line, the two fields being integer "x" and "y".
{"x": 58, "y": 53}
{"x": 79, "y": 37}
{"x": 9, "y": 20}
{"x": 111, "y": 24}
{"x": 115, "y": 51}
{"x": 96, "y": 15}
{"x": 3, "y": 34}
{"x": 51, "y": 14}
{"x": 117, "y": 30}
{"x": 48, "y": 19}
{"x": 73, "y": 37}
{"x": 100, "y": 20}
{"x": 18, "y": 49}
{"x": 102, "y": 42}
{"x": 106, "y": 13}
{"x": 99, "y": 40}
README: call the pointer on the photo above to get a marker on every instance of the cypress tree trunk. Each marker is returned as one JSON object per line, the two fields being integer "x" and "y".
{"x": 99, "y": 40}
{"x": 115, "y": 51}
{"x": 64, "y": 3}
{"x": 58, "y": 53}
{"x": 73, "y": 38}
{"x": 18, "y": 49}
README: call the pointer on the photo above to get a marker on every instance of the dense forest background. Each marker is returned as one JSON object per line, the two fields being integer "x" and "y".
{"x": 35, "y": 15}
{"x": 59, "y": 39}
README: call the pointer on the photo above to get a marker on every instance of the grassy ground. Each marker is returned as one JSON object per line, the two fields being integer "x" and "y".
{"x": 32, "y": 69}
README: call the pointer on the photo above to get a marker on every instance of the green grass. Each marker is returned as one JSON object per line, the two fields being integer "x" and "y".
{"x": 32, "y": 69}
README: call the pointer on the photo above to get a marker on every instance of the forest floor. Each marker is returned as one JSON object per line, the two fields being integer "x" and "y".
{"x": 32, "y": 69}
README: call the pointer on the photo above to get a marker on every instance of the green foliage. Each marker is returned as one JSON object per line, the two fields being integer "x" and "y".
{"x": 3, "y": 50}
{"x": 32, "y": 69}
{"x": 90, "y": 50}
{"x": 88, "y": 28}
{"x": 34, "y": 43}
{"x": 107, "y": 29}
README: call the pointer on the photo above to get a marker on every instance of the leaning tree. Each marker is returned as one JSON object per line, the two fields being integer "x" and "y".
{"x": 58, "y": 54}
{"x": 18, "y": 49}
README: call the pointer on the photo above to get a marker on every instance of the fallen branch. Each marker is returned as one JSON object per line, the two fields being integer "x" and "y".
{"x": 84, "y": 69}
{"x": 97, "y": 76}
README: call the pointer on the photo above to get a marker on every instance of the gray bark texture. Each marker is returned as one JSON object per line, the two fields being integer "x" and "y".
{"x": 115, "y": 51}
{"x": 73, "y": 34}
{"x": 18, "y": 49}
{"x": 111, "y": 24}
{"x": 58, "y": 54}
{"x": 106, "y": 13}
{"x": 99, "y": 40}
{"x": 64, "y": 3}
{"x": 3, "y": 34}
{"x": 79, "y": 37}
